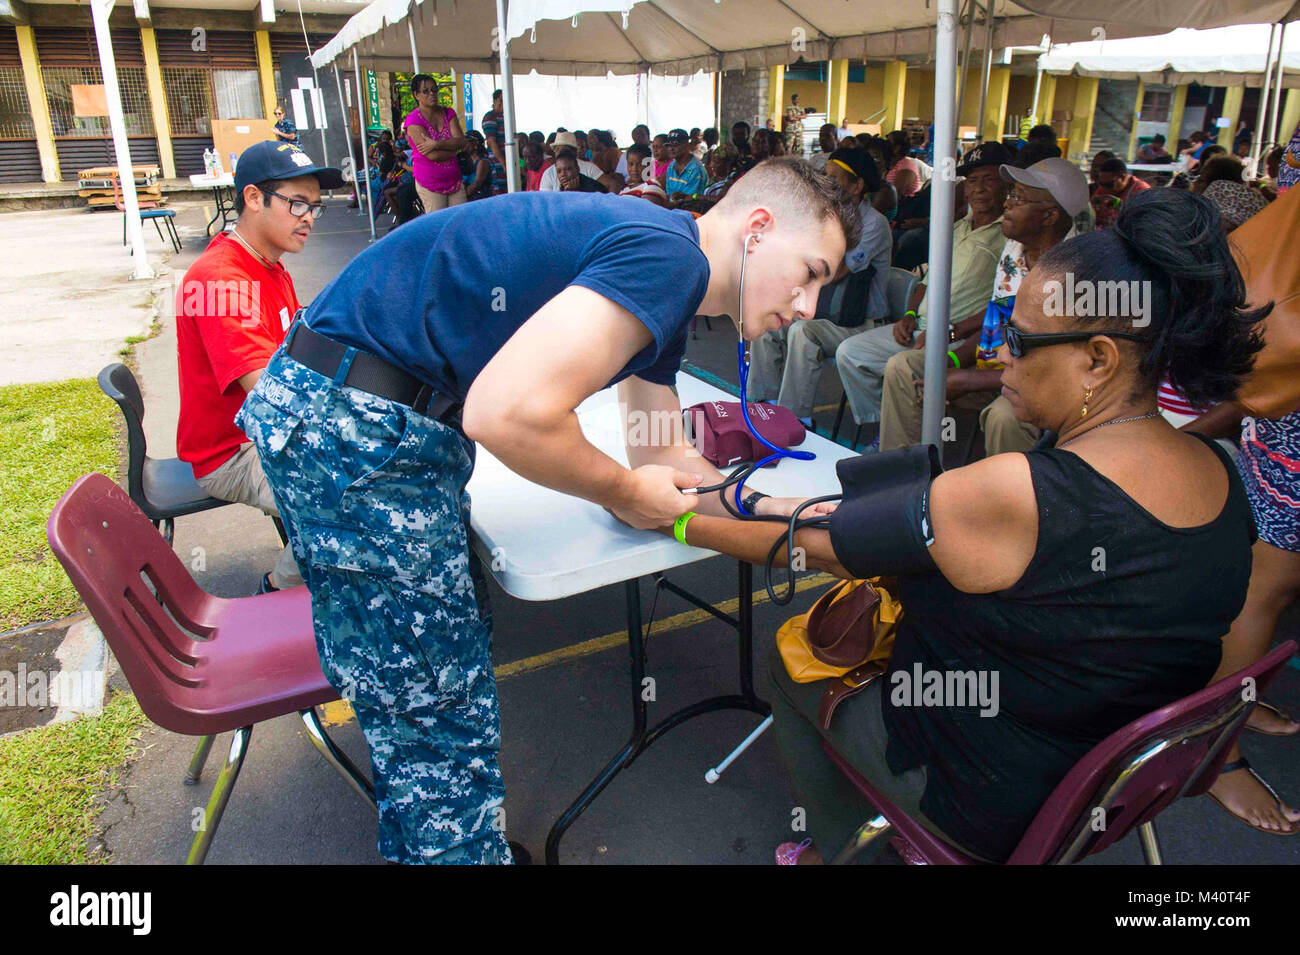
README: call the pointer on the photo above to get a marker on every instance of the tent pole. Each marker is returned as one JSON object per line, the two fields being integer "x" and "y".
{"x": 1260, "y": 114}
{"x": 988, "y": 70}
{"x": 365, "y": 149}
{"x": 415, "y": 54}
{"x": 965, "y": 60}
{"x": 122, "y": 151}
{"x": 1277, "y": 90}
{"x": 717, "y": 103}
{"x": 347, "y": 133}
{"x": 943, "y": 194}
{"x": 508, "y": 100}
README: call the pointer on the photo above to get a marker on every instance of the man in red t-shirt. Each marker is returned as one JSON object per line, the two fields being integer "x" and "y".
{"x": 233, "y": 309}
{"x": 1114, "y": 185}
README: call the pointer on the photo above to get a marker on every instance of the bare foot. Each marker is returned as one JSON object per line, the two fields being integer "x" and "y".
{"x": 1241, "y": 793}
{"x": 1271, "y": 721}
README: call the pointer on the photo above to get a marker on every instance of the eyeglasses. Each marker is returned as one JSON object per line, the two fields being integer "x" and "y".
{"x": 1015, "y": 199}
{"x": 1019, "y": 342}
{"x": 299, "y": 207}
{"x": 427, "y": 91}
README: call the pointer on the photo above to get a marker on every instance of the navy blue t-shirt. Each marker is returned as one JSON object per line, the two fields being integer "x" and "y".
{"x": 441, "y": 295}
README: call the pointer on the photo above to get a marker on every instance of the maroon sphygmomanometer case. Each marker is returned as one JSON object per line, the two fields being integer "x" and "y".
{"x": 717, "y": 430}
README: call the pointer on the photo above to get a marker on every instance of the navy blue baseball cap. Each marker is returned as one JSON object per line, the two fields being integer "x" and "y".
{"x": 274, "y": 160}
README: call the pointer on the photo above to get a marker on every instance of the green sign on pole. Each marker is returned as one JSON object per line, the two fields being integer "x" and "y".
{"x": 372, "y": 97}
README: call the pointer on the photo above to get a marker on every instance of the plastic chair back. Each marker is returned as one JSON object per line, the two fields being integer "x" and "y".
{"x": 118, "y": 383}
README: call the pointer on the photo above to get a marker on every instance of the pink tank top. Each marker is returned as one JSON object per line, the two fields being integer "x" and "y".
{"x": 443, "y": 176}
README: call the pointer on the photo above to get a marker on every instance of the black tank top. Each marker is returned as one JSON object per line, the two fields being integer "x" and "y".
{"x": 1116, "y": 615}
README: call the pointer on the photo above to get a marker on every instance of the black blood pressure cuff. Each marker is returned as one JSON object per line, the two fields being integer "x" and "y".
{"x": 882, "y": 525}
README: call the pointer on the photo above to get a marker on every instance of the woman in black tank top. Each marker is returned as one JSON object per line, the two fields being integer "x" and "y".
{"x": 1084, "y": 583}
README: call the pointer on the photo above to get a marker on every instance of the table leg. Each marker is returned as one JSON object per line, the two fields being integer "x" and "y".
{"x": 216, "y": 195}
{"x": 636, "y": 647}
{"x": 641, "y": 738}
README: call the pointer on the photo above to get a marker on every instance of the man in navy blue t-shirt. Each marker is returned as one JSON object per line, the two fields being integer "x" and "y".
{"x": 490, "y": 322}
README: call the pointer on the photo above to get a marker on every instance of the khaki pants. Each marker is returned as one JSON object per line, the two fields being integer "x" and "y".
{"x": 860, "y": 361}
{"x": 433, "y": 201}
{"x": 900, "y": 419}
{"x": 240, "y": 479}
{"x": 787, "y": 364}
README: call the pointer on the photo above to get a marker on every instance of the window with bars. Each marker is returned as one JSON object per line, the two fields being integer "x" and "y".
{"x": 1156, "y": 105}
{"x": 135, "y": 101}
{"x": 196, "y": 96}
{"x": 15, "y": 113}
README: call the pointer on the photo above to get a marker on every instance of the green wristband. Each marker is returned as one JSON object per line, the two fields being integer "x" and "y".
{"x": 956, "y": 363}
{"x": 679, "y": 526}
{"x": 910, "y": 313}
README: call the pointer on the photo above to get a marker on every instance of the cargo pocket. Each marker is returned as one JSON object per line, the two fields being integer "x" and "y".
{"x": 412, "y": 598}
{"x": 267, "y": 425}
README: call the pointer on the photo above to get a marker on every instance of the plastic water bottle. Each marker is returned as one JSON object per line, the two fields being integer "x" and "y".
{"x": 208, "y": 163}
{"x": 233, "y": 159}
{"x": 216, "y": 164}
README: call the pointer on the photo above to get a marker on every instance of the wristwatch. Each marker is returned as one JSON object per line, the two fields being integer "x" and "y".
{"x": 751, "y": 501}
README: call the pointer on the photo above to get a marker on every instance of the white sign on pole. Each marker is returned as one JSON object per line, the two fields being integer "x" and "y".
{"x": 299, "y": 108}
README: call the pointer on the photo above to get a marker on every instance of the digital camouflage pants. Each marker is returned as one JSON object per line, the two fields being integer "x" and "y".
{"x": 373, "y": 497}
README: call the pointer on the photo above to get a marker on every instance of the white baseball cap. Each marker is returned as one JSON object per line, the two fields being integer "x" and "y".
{"x": 1060, "y": 177}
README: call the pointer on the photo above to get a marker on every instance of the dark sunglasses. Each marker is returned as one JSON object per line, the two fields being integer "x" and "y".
{"x": 1019, "y": 342}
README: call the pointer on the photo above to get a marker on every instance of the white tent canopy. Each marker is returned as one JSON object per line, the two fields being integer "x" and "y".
{"x": 1229, "y": 56}
{"x": 595, "y": 37}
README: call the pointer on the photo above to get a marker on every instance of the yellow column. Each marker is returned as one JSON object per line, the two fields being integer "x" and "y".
{"x": 40, "y": 107}
{"x": 839, "y": 92}
{"x": 776, "y": 94}
{"x": 265, "y": 73}
{"x": 1085, "y": 104}
{"x": 995, "y": 106}
{"x": 158, "y": 102}
{"x": 1133, "y": 129}
{"x": 894, "y": 96}
{"x": 458, "y": 98}
{"x": 1232, "y": 97}
{"x": 1175, "y": 119}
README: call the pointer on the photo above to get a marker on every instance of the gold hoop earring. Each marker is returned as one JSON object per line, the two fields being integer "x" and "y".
{"x": 1087, "y": 396}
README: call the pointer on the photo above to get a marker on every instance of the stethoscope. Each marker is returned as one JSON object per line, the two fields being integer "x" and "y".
{"x": 738, "y": 477}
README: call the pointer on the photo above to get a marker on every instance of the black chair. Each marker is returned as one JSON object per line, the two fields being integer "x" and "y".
{"x": 164, "y": 488}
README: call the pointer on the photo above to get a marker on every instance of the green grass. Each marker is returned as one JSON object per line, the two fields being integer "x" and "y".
{"x": 50, "y": 777}
{"x": 50, "y": 435}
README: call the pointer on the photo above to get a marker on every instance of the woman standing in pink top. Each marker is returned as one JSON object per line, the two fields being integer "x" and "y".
{"x": 436, "y": 137}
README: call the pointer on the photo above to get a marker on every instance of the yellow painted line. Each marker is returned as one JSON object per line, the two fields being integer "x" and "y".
{"x": 619, "y": 638}
{"x": 340, "y": 711}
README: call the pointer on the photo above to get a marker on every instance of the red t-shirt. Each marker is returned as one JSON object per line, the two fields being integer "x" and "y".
{"x": 232, "y": 313}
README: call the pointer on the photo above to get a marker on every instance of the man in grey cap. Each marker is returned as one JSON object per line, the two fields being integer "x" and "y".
{"x": 1039, "y": 213}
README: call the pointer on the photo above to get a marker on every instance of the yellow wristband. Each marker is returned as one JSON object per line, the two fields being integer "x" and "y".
{"x": 679, "y": 526}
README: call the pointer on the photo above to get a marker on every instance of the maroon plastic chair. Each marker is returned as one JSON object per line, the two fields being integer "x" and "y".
{"x": 199, "y": 665}
{"x": 1126, "y": 780}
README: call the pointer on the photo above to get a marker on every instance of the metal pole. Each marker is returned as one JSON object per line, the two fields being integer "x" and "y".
{"x": 988, "y": 71}
{"x": 347, "y": 134}
{"x": 943, "y": 195}
{"x": 365, "y": 150}
{"x": 1263, "y": 100}
{"x": 508, "y": 100}
{"x": 415, "y": 54}
{"x": 829, "y": 65}
{"x": 1038, "y": 86}
{"x": 1277, "y": 90}
{"x": 121, "y": 150}
{"x": 717, "y": 102}
{"x": 965, "y": 60}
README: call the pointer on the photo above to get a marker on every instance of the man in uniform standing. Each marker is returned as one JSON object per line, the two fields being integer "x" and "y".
{"x": 449, "y": 332}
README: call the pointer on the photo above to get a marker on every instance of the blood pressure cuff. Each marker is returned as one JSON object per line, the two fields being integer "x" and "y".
{"x": 882, "y": 525}
{"x": 717, "y": 430}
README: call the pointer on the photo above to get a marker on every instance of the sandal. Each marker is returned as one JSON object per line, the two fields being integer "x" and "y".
{"x": 1284, "y": 717}
{"x": 1243, "y": 763}
{"x": 788, "y": 853}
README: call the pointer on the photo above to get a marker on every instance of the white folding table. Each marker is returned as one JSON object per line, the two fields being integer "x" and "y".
{"x": 225, "y": 207}
{"x": 539, "y": 544}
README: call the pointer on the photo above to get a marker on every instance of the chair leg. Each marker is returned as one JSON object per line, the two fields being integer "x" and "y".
{"x": 200, "y": 757}
{"x": 707, "y": 324}
{"x": 279, "y": 529}
{"x": 168, "y": 529}
{"x": 336, "y": 757}
{"x": 158, "y": 228}
{"x": 870, "y": 831}
{"x": 1150, "y": 844}
{"x": 220, "y": 796}
{"x": 176, "y": 236}
{"x": 839, "y": 416}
